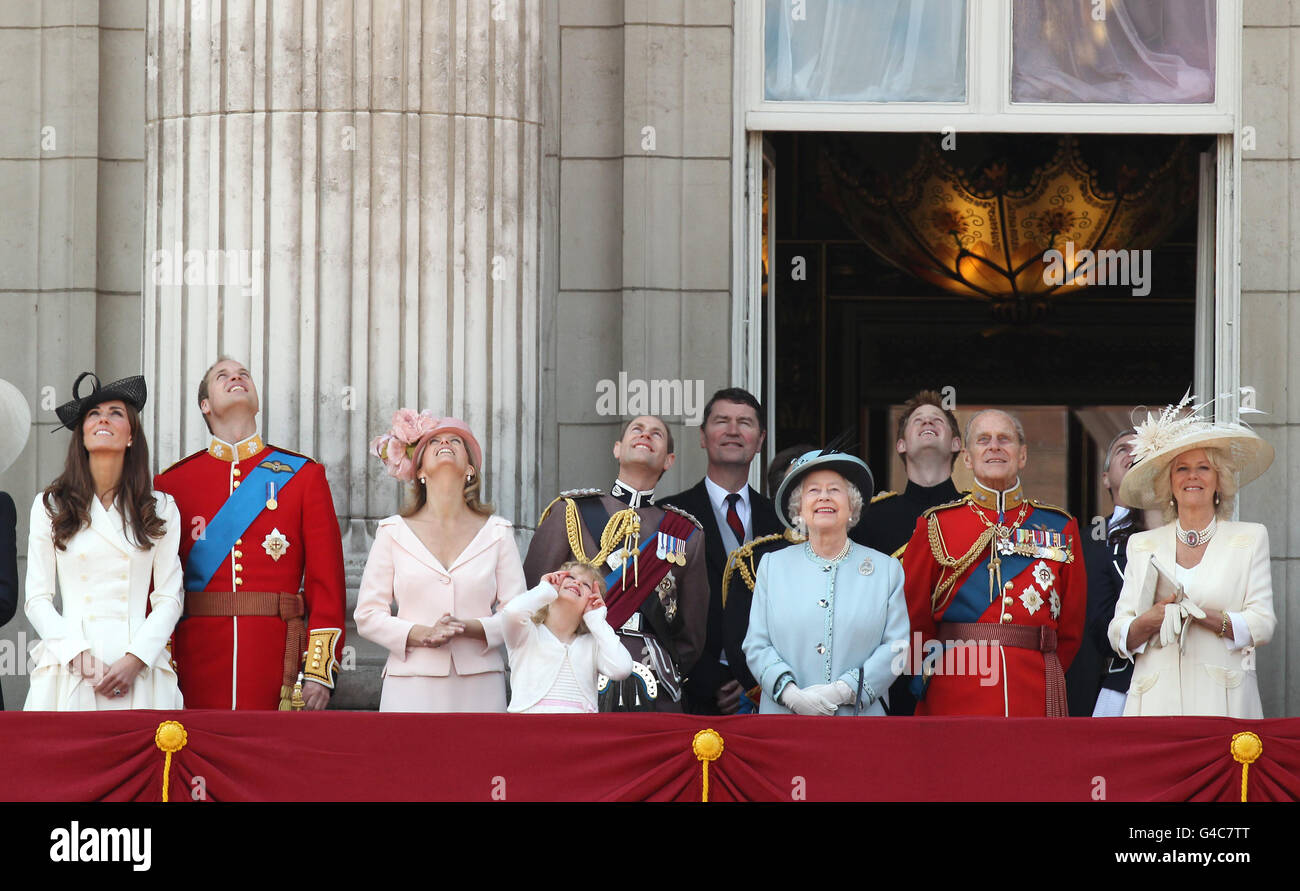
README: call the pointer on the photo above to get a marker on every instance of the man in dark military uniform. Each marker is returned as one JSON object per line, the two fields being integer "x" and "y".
{"x": 1099, "y": 679}
{"x": 653, "y": 560}
{"x": 929, "y": 441}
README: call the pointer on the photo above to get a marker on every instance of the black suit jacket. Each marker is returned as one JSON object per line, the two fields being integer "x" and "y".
{"x": 8, "y": 564}
{"x": 1096, "y": 665}
{"x": 709, "y": 673}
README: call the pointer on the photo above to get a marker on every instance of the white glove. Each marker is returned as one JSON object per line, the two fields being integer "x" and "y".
{"x": 1174, "y": 627}
{"x": 805, "y": 702}
{"x": 837, "y": 693}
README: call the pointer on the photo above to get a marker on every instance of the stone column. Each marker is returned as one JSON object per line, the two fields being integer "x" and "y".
{"x": 71, "y": 168}
{"x": 345, "y": 195}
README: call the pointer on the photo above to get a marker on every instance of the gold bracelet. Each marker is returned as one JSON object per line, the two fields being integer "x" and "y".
{"x": 1223, "y": 630}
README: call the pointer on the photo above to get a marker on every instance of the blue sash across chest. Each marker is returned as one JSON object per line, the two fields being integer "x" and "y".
{"x": 971, "y": 599}
{"x": 236, "y": 515}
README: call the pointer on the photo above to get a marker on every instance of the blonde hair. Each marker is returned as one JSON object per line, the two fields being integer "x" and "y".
{"x": 419, "y": 496}
{"x": 1226, "y": 488}
{"x": 575, "y": 567}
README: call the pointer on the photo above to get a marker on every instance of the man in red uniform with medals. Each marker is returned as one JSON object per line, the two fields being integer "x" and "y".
{"x": 263, "y": 562}
{"x": 995, "y": 589}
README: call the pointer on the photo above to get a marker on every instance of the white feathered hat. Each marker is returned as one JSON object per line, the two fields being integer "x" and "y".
{"x": 1177, "y": 429}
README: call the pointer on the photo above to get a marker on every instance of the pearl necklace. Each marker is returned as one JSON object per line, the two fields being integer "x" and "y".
{"x": 827, "y": 564}
{"x": 1191, "y": 537}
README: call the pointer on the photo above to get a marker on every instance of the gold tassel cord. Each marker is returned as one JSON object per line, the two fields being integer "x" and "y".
{"x": 622, "y": 525}
{"x": 170, "y": 737}
{"x": 707, "y": 746}
{"x": 1246, "y": 748}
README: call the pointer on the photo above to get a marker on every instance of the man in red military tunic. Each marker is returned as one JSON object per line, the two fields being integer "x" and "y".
{"x": 263, "y": 562}
{"x": 995, "y": 589}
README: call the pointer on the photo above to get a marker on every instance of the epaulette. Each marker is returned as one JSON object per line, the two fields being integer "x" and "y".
{"x": 929, "y": 510}
{"x": 183, "y": 460}
{"x": 739, "y": 559}
{"x": 881, "y": 496}
{"x": 678, "y": 510}
{"x": 1052, "y": 507}
{"x": 570, "y": 493}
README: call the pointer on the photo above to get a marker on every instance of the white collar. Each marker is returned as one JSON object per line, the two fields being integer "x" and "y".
{"x": 718, "y": 495}
{"x": 630, "y": 496}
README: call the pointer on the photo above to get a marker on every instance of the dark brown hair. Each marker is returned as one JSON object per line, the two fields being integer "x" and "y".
{"x": 67, "y": 499}
{"x": 928, "y": 397}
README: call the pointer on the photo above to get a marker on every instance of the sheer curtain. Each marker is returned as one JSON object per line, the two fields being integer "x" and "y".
{"x": 865, "y": 50}
{"x": 1144, "y": 51}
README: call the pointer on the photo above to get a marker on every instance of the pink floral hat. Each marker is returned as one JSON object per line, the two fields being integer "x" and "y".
{"x": 402, "y": 447}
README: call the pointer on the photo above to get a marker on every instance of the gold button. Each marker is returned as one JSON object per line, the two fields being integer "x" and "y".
{"x": 124, "y": 576}
{"x": 239, "y": 541}
{"x": 235, "y": 471}
{"x": 1006, "y": 617}
{"x": 1006, "y": 599}
{"x": 235, "y": 484}
{"x": 1007, "y": 585}
{"x": 83, "y": 578}
{"x": 315, "y": 663}
{"x": 238, "y": 580}
{"x": 239, "y": 554}
{"x": 87, "y": 596}
{"x": 239, "y": 567}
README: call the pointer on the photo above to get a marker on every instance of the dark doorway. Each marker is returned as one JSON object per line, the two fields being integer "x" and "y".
{"x": 867, "y": 313}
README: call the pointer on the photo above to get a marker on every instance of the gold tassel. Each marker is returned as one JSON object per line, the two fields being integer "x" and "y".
{"x": 1246, "y": 748}
{"x": 169, "y": 737}
{"x": 707, "y": 747}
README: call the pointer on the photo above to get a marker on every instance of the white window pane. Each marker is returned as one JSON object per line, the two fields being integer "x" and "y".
{"x": 1122, "y": 51}
{"x": 865, "y": 50}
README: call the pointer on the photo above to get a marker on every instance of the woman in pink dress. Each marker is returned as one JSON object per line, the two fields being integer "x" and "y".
{"x": 445, "y": 555}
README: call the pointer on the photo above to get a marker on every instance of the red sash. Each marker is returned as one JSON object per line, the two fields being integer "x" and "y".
{"x": 628, "y": 588}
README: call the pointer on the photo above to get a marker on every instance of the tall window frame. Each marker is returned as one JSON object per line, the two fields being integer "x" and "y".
{"x": 988, "y": 108}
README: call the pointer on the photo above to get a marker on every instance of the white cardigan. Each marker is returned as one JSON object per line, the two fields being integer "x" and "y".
{"x": 536, "y": 655}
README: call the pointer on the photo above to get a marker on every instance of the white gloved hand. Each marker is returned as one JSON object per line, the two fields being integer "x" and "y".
{"x": 1178, "y": 616}
{"x": 803, "y": 702}
{"x": 837, "y": 693}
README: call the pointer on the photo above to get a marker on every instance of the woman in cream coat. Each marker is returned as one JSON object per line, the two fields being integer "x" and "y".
{"x": 103, "y": 534}
{"x": 1194, "y": 627}
{"x": 446, "y": 556}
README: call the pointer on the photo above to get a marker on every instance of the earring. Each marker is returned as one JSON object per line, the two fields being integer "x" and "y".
{"x": 1216, "y": 499}
{"x": 421, "y": 480}
{"x": 1173, "y": 503}
{"x": 469, "y": 477}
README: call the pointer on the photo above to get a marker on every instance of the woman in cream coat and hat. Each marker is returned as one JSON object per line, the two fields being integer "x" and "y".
{"x": 102, "y": 536}
{"x": 1197, "y": 597}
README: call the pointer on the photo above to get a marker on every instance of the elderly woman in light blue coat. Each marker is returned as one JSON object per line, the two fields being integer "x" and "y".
{"x": 829, "y": 616}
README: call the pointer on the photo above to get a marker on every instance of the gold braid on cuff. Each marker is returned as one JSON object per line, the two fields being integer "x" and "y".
{"x": 319, "y": 663}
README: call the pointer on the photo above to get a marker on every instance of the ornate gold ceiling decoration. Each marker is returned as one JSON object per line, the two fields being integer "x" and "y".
{"x": 981, "y": 223}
